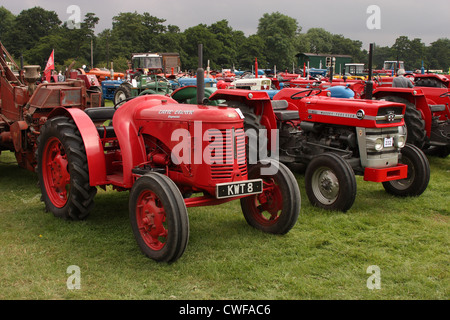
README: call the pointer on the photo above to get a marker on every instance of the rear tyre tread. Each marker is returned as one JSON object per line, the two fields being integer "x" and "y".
{"x": 81, "y": 196}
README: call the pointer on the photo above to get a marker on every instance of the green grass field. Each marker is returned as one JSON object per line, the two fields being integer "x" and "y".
{"x": 325, "y": 256}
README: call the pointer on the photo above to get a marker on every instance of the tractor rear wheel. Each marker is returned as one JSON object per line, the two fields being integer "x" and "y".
{"x": 276, "y": 209}
{"x": 330, "y": 182}
{"x": 418, "y": 174}
{"x": 429, "y": 82}
{"x": 413, "y": 120}
{"x": 63, "y": 170}
{"x": 159, "y": 218}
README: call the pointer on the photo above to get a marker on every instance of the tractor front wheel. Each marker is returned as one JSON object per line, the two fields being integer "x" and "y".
{"x": 63, "y": 171}
{"x": 330, "y": 183}
{"x": 122, "y": 93}
{"x": 159, "y": 218}
{"x": 418, "y": 174}
{"x": 276, "y": 209}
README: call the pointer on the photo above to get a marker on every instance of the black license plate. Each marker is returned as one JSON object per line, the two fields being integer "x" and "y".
{"x": 227, "y": 190}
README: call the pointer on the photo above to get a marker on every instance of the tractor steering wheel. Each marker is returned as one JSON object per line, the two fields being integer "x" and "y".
{"x": 296, "y": 96}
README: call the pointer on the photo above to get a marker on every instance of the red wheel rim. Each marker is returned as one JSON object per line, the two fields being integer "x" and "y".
{"x": 268, "y": 204}
{"x": 55, "y": 172}
{"x": 151, "y": 220}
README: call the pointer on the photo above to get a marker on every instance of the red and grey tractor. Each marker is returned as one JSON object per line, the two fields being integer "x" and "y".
{"x": 163, "y": 152}
{"x": 335, "y": 139}
{"x": 427, "y": 115}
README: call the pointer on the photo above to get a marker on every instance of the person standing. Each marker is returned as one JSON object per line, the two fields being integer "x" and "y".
{"x": 401, "y": 81}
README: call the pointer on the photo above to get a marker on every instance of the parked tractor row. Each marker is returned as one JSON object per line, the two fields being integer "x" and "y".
{"x": 197, "y": 147}
{"x": 75, "y": 148}
{"x": 427, "y": 114}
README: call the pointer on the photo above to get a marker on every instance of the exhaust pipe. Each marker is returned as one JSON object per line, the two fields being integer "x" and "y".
{"x": 369, "y": 83}
{"x": 200, "y": 76}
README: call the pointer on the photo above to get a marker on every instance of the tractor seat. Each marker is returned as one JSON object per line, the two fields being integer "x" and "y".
{"x": 100, "y": 113}
{"x": 279, "y": 109}
{"x": 285, "y": 115}
{"x": 437, "y": 107}
{"x": 279, "y": 104}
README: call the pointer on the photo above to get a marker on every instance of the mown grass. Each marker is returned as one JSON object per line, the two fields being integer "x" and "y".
{"x": 325, "y": 256}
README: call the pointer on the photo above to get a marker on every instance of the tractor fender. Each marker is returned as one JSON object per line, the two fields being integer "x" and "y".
{"x": 128, "y": 133}
{"x": 147, "y": 91}
{"x": 91, "y": 140}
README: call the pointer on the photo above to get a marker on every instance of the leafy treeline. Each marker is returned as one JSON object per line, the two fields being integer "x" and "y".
{"x": 35, "y": 32}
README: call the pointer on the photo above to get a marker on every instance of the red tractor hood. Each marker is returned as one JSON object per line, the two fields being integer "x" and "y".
{"x": 167, "y": 109}
{"x": 160, "y": 116}
{"x": 350, "y": 112}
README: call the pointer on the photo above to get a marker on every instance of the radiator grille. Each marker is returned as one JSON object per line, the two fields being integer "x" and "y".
{"x": 227, "y": 150}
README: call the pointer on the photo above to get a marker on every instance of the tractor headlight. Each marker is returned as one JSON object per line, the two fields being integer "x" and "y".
{"x": 378, "y": 144}
{"x": 402, "y": 135}
{"x": 401, "y": 141}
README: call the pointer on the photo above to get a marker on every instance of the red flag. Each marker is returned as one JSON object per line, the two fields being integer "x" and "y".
{"x": 50, "y": 66}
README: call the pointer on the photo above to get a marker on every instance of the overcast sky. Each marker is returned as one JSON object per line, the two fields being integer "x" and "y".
{"x": 425, "y": 19}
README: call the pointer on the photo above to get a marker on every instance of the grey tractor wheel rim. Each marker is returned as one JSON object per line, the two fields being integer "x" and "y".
{"x": 325, "y": 185}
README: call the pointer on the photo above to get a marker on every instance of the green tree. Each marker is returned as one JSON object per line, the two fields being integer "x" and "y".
{"x": 320, "y": 40}
{"x": 170, "y": 41}
{"x": 136, "y": 31}
{"x": 211, "y": 47}
{"x": 342, "y": 45}
{"x": 6, "y": 23}
{"x": 29, "y": 27}
{"x": 69, "y": 44}
{"x": 381, "y": 54}
{"x": 278, "y": 32}
{"x": 401, "y": 47}
{"x": 251, "y": 48}
{"x": 439, "y": 55}
{"x": 225, "y": 34}
{"x": 412, "y": 52}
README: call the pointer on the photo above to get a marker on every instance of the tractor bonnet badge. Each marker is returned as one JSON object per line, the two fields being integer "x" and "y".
{"x": 360, "y": 114}
{"x": 391, "y": 116}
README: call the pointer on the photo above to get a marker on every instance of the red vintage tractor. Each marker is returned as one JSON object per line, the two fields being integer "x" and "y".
{"x": 25, "y": 106}
{"x": 427, "y": 115}
{"x": 163, "y": 152}
{"x": 335, "y": 139}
